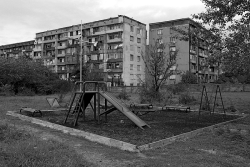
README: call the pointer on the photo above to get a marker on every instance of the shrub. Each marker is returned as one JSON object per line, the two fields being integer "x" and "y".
{"x": 176, "y": 88}
{"x": 186, "y": 98}
{"x": 188, "y": 78}
{"x": 123, "y": 95}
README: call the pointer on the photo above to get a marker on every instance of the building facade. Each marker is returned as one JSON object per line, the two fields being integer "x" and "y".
{"x": 191, "y": 55}
{"x": 17, "y": 50}
{"x": 112, "y": 47}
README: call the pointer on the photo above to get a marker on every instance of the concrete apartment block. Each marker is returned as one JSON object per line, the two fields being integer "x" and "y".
{"x": 112, "y": 46}
{"x": 190, "y": 57}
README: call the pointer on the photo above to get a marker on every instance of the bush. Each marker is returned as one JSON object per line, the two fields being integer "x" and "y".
{"x": 186, "y": 98}
{"x": 124, "y": 95}
{"x": 188, "y": 78}
{"x": 177, "y": 88}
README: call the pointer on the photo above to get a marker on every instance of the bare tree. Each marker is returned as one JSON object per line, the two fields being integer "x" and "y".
{"x": 159, "y": 64}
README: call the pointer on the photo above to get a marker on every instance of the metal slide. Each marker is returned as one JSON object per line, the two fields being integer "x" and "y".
{"x": 113, "y": 100}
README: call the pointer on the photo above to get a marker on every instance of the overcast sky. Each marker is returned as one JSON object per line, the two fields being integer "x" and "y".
{"x": 21, "y": 19}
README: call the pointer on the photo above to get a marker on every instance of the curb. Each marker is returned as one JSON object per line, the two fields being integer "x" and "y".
{"x": 75, "y": 132}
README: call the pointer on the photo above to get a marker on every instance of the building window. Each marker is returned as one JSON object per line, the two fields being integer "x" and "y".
{"x": 138, "y": 68}
{"x": 76, "y": 32}
{"x": 132, "y": 76}
{"x": 159, "y": 32}
{"x": 138, "y": 58}
{"x": 131, "y": 66}
{"x": 132, "y": 28}
{"x": 138, "y": 31}
{"x": 160, "y": 41}
{"x": 139, "y": 49}
{"x": 173, "y": 39}
{"x": 132, "y": 38}
{"x": 71, "y": 33}
{"x": 138, "y": 40}
{"x": 131, "y": 57}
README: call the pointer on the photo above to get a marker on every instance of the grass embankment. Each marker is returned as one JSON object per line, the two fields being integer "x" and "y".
{"x": 19, "y": 148}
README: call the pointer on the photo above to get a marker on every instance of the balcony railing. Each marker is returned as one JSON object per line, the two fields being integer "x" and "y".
{"x": 114, "y": 70}
{"x": 61, "y": 71}
{"x": 61, "y": 55}
{"x": 192, "y": 51}
{"x": 114, "y": 40}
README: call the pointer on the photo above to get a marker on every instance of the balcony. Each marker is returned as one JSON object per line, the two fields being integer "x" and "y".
{"x": 60, "y": 63}
{"x": 114, "y": 30}
{"x": 48, "y": 57}
{"x": 63, "y": 38}
{"x": 193, "y": 60}
{"x": 192, "y": 51}
{"x": 62, "y": 47}
{"x": 49, "y": 40}
{"x": 115, "y": 60}
{"x": 61, "y": 71}
{"x": 49, "y": 48}
{"x": 95, "y": 61}
{"x": 61, "y": 55}
{"x": 115, "y": 70}
{"x": 115, "y": 51}
{"x": 114, "y": 40}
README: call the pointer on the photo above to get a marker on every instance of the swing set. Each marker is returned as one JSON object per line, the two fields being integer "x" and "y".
{"x": 207, "y": 101}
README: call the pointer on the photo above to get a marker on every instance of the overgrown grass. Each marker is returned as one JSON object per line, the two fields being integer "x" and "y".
{"x": 18, "y": 148}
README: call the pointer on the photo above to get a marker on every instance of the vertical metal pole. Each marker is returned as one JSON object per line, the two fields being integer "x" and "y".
{"x": 95, "y": 106}
{"x": 215, "y": 98}
{"x": 98, "y": 103}
{"x": 201, "y": 101}
{"x": 222, "y": 100}
{"x": 106, "y": 117}
{"x": 81, "y": 59}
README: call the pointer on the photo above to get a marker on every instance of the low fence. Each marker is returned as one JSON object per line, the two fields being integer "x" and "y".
{"x": 192, "y": 88}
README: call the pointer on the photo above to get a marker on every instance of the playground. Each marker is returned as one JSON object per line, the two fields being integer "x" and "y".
{"x": 100, "y": 112}
{"x": 228, "y": 144}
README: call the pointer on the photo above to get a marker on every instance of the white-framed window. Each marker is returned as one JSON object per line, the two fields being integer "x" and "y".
{"x": 131, "y": 66}
{"x": 131, "y": 38}
{"x": 131, "y": 28}
{"x": 138, "y": 67}
{"x": 139, "y": 49}
{"x": 138, "y": 58}
{"x": 138, "y": 40}
{"x": 159, "y": 32}
{"x": 131, "y": 57}
{"x": 138, "y": 30}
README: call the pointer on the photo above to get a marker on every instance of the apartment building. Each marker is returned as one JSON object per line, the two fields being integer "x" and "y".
{"x": 192, "y": 55}
{"x": 111, "y": 46}
{"x": 17, "y": 50}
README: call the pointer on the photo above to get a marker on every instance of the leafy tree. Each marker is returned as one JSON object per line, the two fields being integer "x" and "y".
{"x": 230, "y": 18}
{"x": 189, "y": 78}
{"x": 23, "y": 72}
{"x": 158, "y": 64}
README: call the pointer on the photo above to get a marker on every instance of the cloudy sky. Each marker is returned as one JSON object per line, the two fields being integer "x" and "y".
{"x": 21, "y": 19}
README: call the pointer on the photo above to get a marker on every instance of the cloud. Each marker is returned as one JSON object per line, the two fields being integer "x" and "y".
{"x": 21, "y": 19}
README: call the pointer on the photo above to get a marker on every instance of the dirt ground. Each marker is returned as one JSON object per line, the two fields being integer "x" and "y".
{"x": 227, "y": 146}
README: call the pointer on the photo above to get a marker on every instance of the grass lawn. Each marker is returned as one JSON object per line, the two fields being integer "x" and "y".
{"x": 221, "y": 148}
{"x": 19, "y": 148}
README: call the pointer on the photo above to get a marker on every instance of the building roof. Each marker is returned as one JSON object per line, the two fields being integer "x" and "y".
{"x": 17, "y": 44}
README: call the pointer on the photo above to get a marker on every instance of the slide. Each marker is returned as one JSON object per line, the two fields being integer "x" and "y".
{"x": 122, "y": 108}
